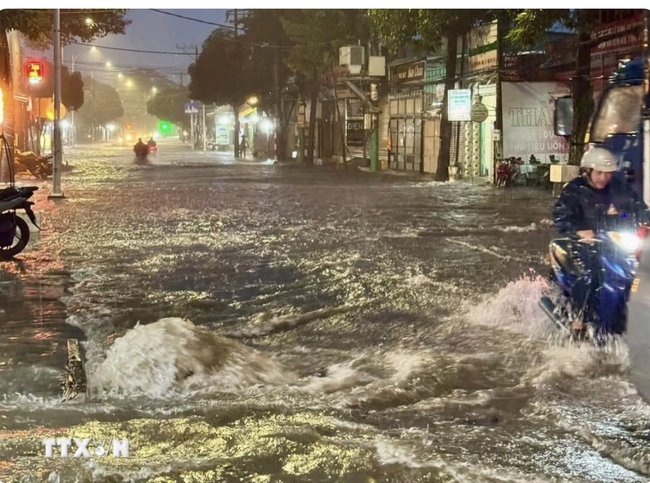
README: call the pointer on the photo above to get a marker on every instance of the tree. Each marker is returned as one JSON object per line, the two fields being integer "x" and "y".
{"x": 428, "y": 29}
{"x": 72, "y": 90}
{"x": 36, "y": 26}
{"x": 169, "y": 105}
{"x": 530, "y": 26}
{"x": 317, "y": 35}
{"x": 269, "y": 45}
{"x": 102, "y": 106}
{"x": 223, "y": 74}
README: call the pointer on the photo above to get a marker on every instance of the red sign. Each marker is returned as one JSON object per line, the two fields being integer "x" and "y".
{"x": 34, "y": 72}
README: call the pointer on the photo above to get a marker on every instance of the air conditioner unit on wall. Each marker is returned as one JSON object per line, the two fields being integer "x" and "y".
{"x": 353, "y": 56}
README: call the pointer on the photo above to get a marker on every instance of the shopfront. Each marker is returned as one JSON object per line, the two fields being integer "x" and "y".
{"x": 406, "y": 107}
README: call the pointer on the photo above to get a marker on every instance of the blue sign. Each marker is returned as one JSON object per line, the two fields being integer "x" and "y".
{"x": 192, "y": 107}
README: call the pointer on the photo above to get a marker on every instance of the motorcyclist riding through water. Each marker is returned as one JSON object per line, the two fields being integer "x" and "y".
{"x": 140, "y": 148}
{"x": 596, "y": 201}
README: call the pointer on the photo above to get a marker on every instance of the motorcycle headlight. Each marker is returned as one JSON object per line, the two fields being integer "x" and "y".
{"x": 628, "y": 241}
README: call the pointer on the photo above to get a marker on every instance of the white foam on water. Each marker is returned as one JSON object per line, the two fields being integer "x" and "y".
{"x": 390, "y": 453}
{"x": 419, "y": 280}
{"x": 515, "y": 308}
{"x": 172, "y": 357}
{"x": 521, "y": 229}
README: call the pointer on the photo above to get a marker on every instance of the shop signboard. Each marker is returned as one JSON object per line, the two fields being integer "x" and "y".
{"x": 528, "y": 121}
{"x": 459, "y": 104}
{"x": 409, "y": 72}
{"x": 483, "y": 47}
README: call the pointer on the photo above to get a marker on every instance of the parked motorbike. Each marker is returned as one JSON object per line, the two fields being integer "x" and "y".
{"x": 616, "y": 251}
{"x": 507, "y": 172}
{"x": 14, "y": 230}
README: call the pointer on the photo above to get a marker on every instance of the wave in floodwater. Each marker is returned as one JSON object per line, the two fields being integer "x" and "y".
{"x": 173, "y": 356}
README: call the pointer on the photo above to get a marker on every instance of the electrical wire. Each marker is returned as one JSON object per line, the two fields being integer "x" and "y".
{"x": 132, "y": 50}
{"x": 251, "y": 44}
{"x": 198, "y": 20}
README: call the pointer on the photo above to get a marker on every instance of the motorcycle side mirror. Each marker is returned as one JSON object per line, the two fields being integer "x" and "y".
{"x": 563, "y": 116}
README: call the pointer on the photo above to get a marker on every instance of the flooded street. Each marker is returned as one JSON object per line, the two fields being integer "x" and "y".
{"x": 339, "y": 326}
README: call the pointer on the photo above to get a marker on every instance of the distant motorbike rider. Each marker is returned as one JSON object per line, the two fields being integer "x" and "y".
{"x": 151, "y": 143}
{"x": 140, "y": 148}
{"x": 596, "y": 200}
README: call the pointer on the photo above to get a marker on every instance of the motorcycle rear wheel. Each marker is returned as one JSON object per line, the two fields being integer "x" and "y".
{"x": 7, "y": 253}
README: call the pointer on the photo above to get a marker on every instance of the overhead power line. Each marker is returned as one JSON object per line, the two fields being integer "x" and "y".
{"x": 198, "y": 20}
{"x": 252, "y": 44}
{"x": 132, "y": 50}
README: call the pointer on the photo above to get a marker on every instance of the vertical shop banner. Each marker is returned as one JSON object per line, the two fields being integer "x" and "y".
{"x": 528, "y": 121}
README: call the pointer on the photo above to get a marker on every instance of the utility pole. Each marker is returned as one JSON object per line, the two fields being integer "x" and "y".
{"x": 374, "y": 134}
{"x": 56, "y": 142}
{"x": 235, "y": 16}
{"x": 194, "y": 120}
{"x": 498, "y": 124}
{"x": 196, "y": 57}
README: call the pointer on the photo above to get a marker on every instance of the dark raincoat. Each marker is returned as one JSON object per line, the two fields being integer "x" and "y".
{"x": 582, "y": 207}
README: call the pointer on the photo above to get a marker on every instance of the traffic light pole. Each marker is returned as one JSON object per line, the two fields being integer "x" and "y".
{"x": 56, "y": 142}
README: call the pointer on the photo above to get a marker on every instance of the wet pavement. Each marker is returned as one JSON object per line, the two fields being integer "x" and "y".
{"x": 340, "y": 326}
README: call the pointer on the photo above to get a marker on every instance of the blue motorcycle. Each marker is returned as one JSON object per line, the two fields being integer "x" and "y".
{"x": 604, "y": 266}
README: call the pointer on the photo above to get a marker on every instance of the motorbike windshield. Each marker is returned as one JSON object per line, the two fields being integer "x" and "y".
{"x": 619, "y": 113}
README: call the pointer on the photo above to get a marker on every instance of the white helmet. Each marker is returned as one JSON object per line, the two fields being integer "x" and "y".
{"x": 599, "y": 159}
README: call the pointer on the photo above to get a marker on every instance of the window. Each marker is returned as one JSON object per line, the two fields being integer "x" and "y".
{"x": 620, "y": 113}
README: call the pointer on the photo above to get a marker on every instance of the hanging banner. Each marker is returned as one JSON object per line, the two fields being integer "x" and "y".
{"x": 528, "y": 121}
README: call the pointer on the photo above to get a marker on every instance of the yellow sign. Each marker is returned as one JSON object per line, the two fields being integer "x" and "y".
{"x": 49, "y": 109}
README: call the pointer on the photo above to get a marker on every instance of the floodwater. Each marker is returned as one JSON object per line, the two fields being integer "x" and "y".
{"x": 297, "y": 324}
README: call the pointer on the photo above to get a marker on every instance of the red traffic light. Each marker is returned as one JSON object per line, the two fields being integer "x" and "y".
{"x": 33, "y": 72}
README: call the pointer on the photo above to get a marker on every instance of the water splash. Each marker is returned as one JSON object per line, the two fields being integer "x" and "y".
{"x": 515, "y": 308}
{"x": 173, "y": 356}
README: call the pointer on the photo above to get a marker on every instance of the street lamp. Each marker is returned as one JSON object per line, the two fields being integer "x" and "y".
{"x": 108, "y": 64}
{"x": 89, "y": 21}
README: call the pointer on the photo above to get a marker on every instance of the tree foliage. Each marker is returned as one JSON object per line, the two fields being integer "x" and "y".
{"x": 222, "y": 74}
{"x": 102, "y": 104}
{"x": 169, "y": 105}
{"x": 72, "y": 91}
{"x": 268, "y": 46}
{"x": 318, "y": 34}
{"x": 36, "y": 25}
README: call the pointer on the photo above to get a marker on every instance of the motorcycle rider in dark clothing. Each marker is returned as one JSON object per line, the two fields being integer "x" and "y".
{"x": 140, "y": 148}
{"x": 596, "y": 200}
